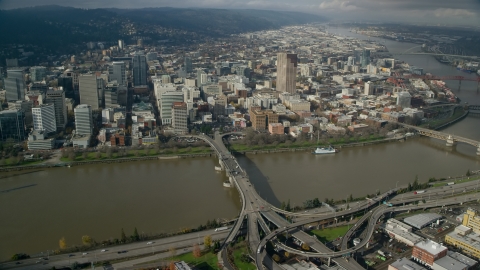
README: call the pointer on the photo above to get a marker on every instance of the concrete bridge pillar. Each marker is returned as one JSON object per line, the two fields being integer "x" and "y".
{"x": 451, "y": 141}
{"x": 329, "y": 261}
{"x": 478, "y": 150}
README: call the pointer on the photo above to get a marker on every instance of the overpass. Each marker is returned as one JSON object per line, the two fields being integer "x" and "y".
{"x": 254, "y": 209}
{"x": 450, "y": 139}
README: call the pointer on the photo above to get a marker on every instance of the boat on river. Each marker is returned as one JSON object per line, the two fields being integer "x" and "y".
{"x": 325, "y": 150}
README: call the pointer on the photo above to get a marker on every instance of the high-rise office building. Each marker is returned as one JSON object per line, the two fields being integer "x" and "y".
{"x": 57, "y": 98}
{"x": 38, "y": 74}
{"x": 91, "y": 90}
{"x": 139, "y": 69}
{"x": 202, "y": 78}
{"x": 15, "y": 84}
{"x": 188, "y": 65}
{"x": 166, "y": 102}
{"x": 12, "y": 125}
{"x": 44, "y": 118}
{"x": 365, "y": 57}
{"x": 179, "y": 117}
{"x": 286, "y": 72}
{"x": 117, "y": 72}
{"x": 121, "y": 44}
{"x": 83, "y": 119}
{"x": 67, "y": 85}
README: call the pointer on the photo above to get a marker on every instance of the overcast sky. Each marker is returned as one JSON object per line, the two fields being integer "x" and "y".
{"x": 449, "y": 12}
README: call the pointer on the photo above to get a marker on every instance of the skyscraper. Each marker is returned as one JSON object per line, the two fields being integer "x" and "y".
{"x": 83, "y": 119}
{"x": 91, "y": 90}
{"x": 12, "y": 125}
{"x": 57, "y": 98}
{"x": 286, "y": 72}
{"x": 44, "y": 118}
{"x": 188, "y": 65}
{"x": 121, "y": 44}
{"x": 15, "y": 84}
{"x": 38, "y": 74}
{"x": 139, "y": 69}
{"x": 117, "y": 72}
{"x": 179, "y": 117}
{"x": 365, "y": 57}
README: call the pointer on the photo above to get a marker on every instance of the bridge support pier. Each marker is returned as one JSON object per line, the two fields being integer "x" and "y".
{"x": 451, "y": 141}
{"x": 478, "y": 151}
{"x": 329, "y": 261}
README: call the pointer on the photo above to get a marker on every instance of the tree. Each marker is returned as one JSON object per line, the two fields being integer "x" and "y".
{"x": 468, "y": 173}
{"x": 276, "y": 258}
{"x": 172, "y": 266}
{"x": 123, "y": 237}
{"x": 86, "y": 240}
{"x": 98, "y": 155}
{"x": 286, "y": 254}
{"x": 71, "y": 156}
{"x": 172, "y": 251}
{"x": 84, "y": 154}
{"x": 135, "y": 235}
{"x": 305, "y": 246}
{"x": 207, "y": 241}
{"x": 62, "y": 243}
{"x": 197, "y": 253}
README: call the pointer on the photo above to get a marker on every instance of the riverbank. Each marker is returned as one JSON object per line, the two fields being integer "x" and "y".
{"x": 312, "y": 146}
{"x": 106, "y": 161}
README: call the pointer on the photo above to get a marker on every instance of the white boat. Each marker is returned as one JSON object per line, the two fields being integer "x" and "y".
{"x": 324, "y": 150}
{"x": 218, "y": 168}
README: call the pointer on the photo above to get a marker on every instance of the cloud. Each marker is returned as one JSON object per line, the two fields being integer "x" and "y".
{"x": 452, "y": 12}
{"x": 338, "y": 5}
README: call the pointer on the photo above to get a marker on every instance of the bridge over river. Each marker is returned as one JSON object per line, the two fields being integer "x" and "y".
{"x": 256, "y": 210}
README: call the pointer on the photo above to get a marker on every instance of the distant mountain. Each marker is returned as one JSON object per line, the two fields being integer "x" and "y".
{"x": 59, "y": 27}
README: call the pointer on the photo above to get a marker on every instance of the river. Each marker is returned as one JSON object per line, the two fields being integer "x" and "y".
{"x": 167, "y": 195}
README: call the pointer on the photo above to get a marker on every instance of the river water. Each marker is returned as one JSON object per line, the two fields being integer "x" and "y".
{"x": 167, "y": 195}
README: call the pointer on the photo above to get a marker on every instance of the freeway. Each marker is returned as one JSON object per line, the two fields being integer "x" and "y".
{"x": 178, "y": 242}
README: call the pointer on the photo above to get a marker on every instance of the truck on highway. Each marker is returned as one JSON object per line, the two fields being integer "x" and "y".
{"x": 450, "y": 183}
{"x": 419, "y": 192}
{"x": 221, "y": 229}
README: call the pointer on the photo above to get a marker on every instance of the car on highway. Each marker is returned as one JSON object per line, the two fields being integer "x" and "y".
{"x": 149, "y": 243}
{"x": 103, "y": 250}
{"x": 84, "y": 253}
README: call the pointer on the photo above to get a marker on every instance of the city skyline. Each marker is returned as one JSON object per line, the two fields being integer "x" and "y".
{"x": 463, "y": 12}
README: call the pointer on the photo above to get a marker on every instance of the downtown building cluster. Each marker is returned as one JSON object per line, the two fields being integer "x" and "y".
{"x": 293, "y": 81}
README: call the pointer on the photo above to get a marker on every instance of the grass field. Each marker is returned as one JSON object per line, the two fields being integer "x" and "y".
{"x": 208, "y": 261}
{"x": 138, "y": 153}
{"x": 237, "y": 257}
{"x": 330, "y": 234}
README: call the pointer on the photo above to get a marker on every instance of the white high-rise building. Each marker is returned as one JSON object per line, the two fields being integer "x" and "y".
{"x": 368, "y": 88}
{"x": 121, "y": 44}
{"x": 117, "y": 72}
{"x": 83, "y": 119}
{"x": 166, "y": 102}
{"x": 44, "y": 118}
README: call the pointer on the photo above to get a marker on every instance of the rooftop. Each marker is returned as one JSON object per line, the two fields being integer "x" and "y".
{"x": 422, "y": 220}
{"x": 431, "y": 247}
{"x": 405, "y": 264}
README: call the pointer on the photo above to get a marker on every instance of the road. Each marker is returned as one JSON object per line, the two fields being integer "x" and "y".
{"x": 178, "y": 242}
